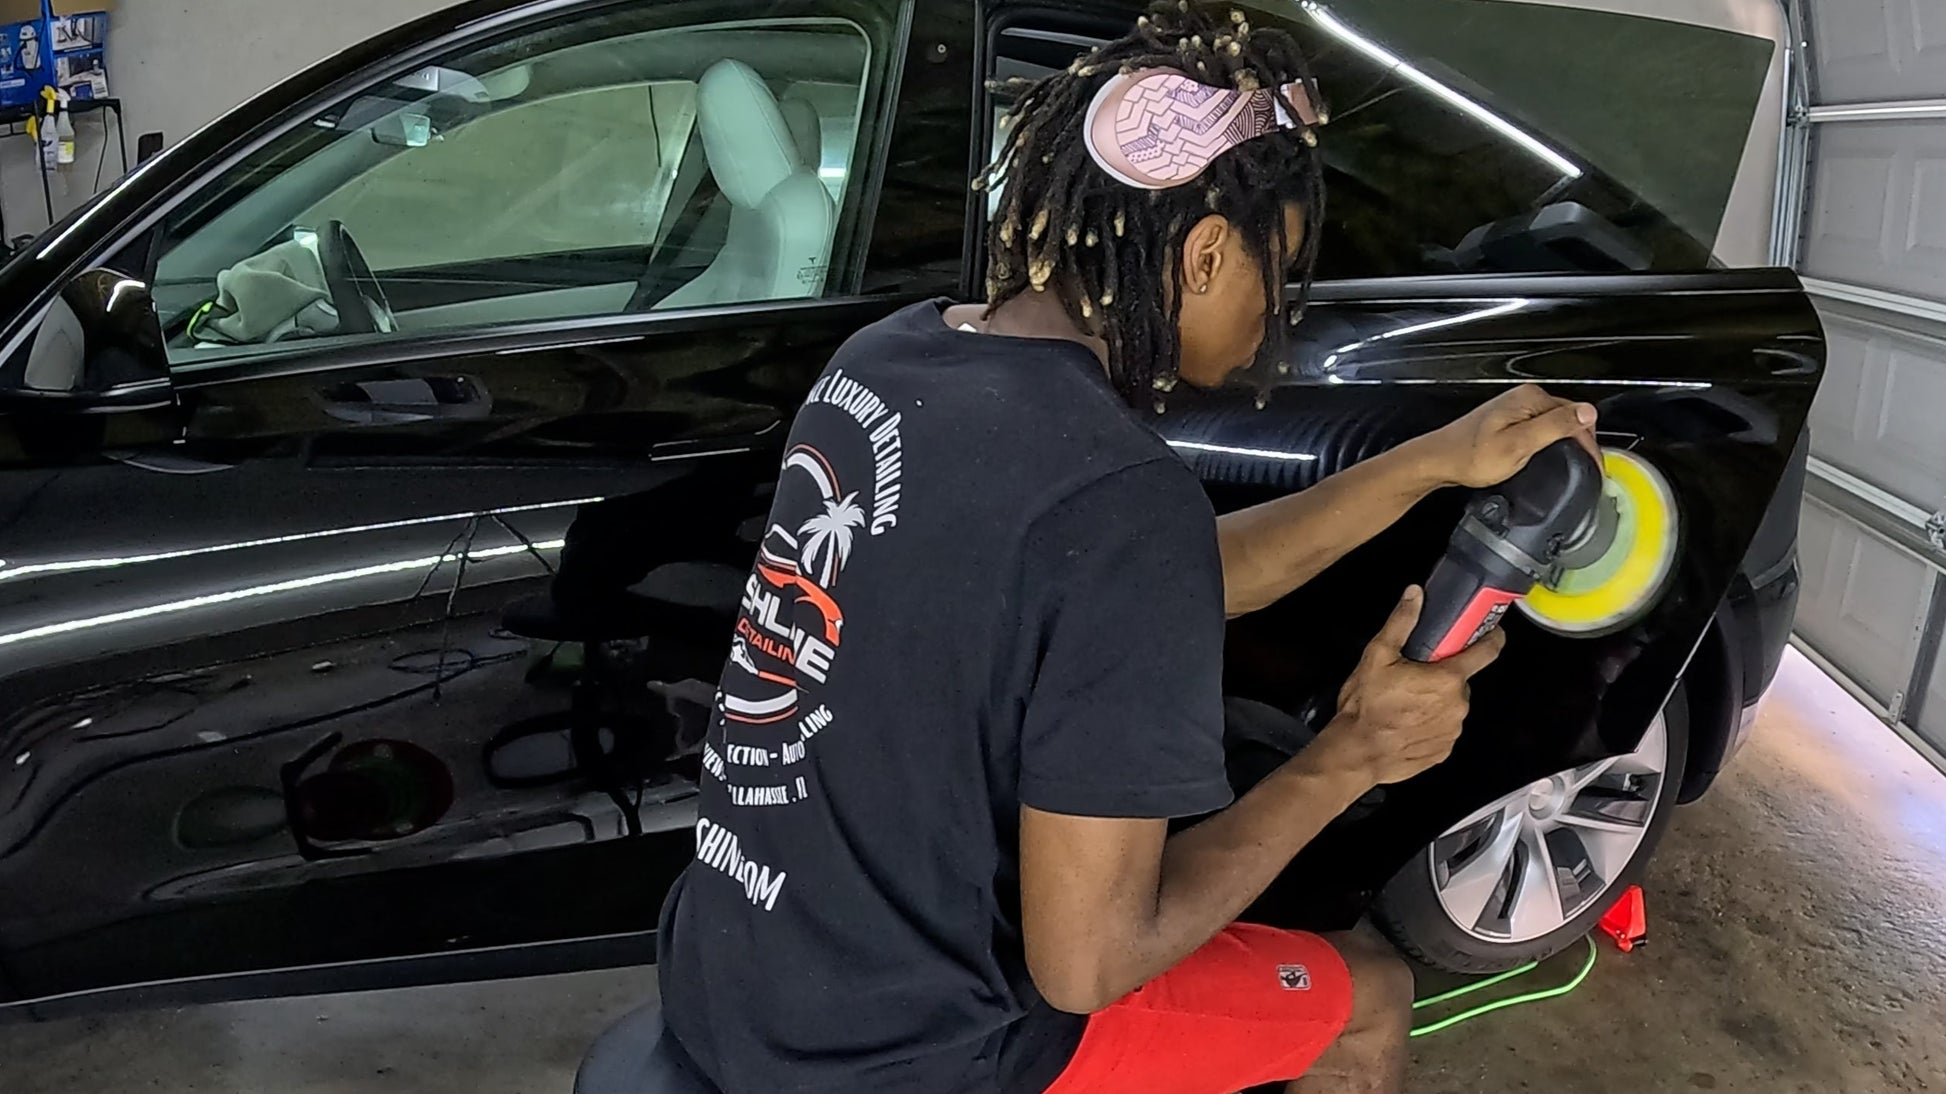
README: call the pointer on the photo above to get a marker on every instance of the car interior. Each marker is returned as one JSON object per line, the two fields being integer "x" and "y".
{"x": 346, "y": 227}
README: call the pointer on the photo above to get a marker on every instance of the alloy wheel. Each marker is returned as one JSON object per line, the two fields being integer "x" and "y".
{"x": 1528, "y": 863}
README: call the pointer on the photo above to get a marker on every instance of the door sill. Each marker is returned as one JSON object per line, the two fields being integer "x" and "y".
{"x": 377, "y": 974}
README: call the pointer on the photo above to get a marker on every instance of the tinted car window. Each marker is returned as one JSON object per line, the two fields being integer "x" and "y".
{"x": 570, "y": 170}
{"x": 1430, "y": 170}
{"x": 583, "y": 170}
{"x": 1663, "y": 107}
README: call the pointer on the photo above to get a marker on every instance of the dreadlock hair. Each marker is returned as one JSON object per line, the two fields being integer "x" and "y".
{"x": 1111, "y": 252}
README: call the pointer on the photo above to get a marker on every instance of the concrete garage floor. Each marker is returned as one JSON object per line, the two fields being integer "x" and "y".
{"x": 1798, "y": 917}
{"x": 1797, "y": 920}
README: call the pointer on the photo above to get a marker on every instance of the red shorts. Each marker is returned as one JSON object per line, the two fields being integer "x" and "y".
{"x": 1255, "y": 1005}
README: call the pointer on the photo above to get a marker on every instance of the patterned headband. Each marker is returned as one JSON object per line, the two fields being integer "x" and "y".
{"x": 1157, "y": 128}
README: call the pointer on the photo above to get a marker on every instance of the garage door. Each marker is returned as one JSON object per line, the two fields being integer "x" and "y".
{"x": 1865, "y": 185}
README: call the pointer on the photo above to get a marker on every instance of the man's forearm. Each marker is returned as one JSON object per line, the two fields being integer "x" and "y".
{"x": 1212, "y": 872}
{"x": 1271, "y": 549}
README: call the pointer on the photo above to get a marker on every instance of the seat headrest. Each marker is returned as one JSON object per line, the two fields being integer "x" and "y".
{"x": 750, "y": 148}
{"x": 807, "y": 132}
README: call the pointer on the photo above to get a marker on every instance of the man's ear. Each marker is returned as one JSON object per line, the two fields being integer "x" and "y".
{"x": 1202, "y": 253}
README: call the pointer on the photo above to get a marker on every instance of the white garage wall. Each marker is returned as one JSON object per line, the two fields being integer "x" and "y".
{"x": 177, "y": 64}
{"x": 180, "y": 63}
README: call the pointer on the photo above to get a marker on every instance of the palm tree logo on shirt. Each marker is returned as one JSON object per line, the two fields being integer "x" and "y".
{"x": 830, "y": 534}
{"x": 777, "y": 641}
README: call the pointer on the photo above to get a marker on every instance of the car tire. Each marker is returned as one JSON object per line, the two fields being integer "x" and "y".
{"x": 1425, "y": 907}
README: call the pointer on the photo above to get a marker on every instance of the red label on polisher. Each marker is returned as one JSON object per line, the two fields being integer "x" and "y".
{"x": 1482, "y": 614}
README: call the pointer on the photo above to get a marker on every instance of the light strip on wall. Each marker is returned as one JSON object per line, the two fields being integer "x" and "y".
{"x": 1324, "y": 18}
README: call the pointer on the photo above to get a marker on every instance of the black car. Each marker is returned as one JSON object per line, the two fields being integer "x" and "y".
{"x": 380, "y": 468}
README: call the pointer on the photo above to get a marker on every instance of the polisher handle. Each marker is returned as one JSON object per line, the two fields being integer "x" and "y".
{"x": 1469, "y": 592}
{"x": 1463, "y": 603}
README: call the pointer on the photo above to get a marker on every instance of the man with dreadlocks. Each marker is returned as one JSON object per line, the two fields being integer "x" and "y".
{"x": 979, "y": 665}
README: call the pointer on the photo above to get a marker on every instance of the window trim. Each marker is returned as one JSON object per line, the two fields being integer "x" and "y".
{"x": 513, "y": 339}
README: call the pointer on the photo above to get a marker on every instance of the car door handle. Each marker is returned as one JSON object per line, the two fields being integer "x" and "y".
{"x": 404, "y": 401}
{"x": 167, "y": 463}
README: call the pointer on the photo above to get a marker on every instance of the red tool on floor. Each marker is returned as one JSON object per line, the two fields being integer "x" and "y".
{"x": 1628, "y": 921}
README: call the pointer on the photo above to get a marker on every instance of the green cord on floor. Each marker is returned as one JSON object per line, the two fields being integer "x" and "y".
{"x": 1500, "y": 1004}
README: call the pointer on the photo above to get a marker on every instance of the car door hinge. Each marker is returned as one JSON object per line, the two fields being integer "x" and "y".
{"x": 1936, "y": 530}
{"x": 1896, "y": 710}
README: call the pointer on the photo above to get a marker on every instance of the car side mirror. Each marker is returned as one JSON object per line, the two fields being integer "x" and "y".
{"x": 100, "y": 347}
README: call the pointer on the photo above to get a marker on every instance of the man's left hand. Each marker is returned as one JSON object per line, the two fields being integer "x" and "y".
{"x": 1489, "y": 445}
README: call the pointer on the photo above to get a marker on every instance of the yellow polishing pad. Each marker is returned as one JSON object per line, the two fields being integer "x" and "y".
{"x": 1614, "y": 590}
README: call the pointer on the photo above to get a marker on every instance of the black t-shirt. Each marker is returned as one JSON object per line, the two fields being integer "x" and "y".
{"x": 984, "y": 583}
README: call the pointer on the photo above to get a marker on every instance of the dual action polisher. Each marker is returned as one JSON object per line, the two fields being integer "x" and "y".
{"x": 1584, "y": 548}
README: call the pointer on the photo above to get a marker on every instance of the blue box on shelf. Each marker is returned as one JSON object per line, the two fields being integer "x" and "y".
{"x": 49, "y": 43}
{"x": 83, "y": 31}
{"x": 26, "y": 64}
{"x": 83, "y": 74}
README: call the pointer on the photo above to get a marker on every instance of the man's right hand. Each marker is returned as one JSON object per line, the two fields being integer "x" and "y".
{"x": 1109, "y": 903}
{"x": 1397, "y": 717}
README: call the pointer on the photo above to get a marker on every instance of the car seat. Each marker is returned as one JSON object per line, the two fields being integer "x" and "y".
{"x": 692, "y": 233}
{"x": 638, "y": 1055}
{"x": 807, "y": 132}
{"x": 777, "y": 244}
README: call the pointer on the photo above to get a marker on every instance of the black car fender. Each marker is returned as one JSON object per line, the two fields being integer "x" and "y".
{"x": 1712, "y": 686}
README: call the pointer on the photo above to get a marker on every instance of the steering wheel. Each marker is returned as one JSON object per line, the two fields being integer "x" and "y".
{"x": 355, "y": 291}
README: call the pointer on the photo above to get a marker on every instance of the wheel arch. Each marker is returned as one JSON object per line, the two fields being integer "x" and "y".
{"x": 1712, "y": 687}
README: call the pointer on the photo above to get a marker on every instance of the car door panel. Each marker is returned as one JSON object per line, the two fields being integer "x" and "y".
{"x": 1708, "y": 376}
{"x": 180, "y": 677}
{"x": 316, "y": 566}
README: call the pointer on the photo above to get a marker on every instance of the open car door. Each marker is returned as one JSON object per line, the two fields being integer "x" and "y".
{"x": 1571, "y": 194}
{"x": 1501, "y": 212}
{"x": 1706, "y": 377}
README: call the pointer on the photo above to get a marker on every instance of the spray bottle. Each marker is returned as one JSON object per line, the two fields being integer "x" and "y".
{"x": 45, "y": 129}
{"x": 64, "y": 127}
